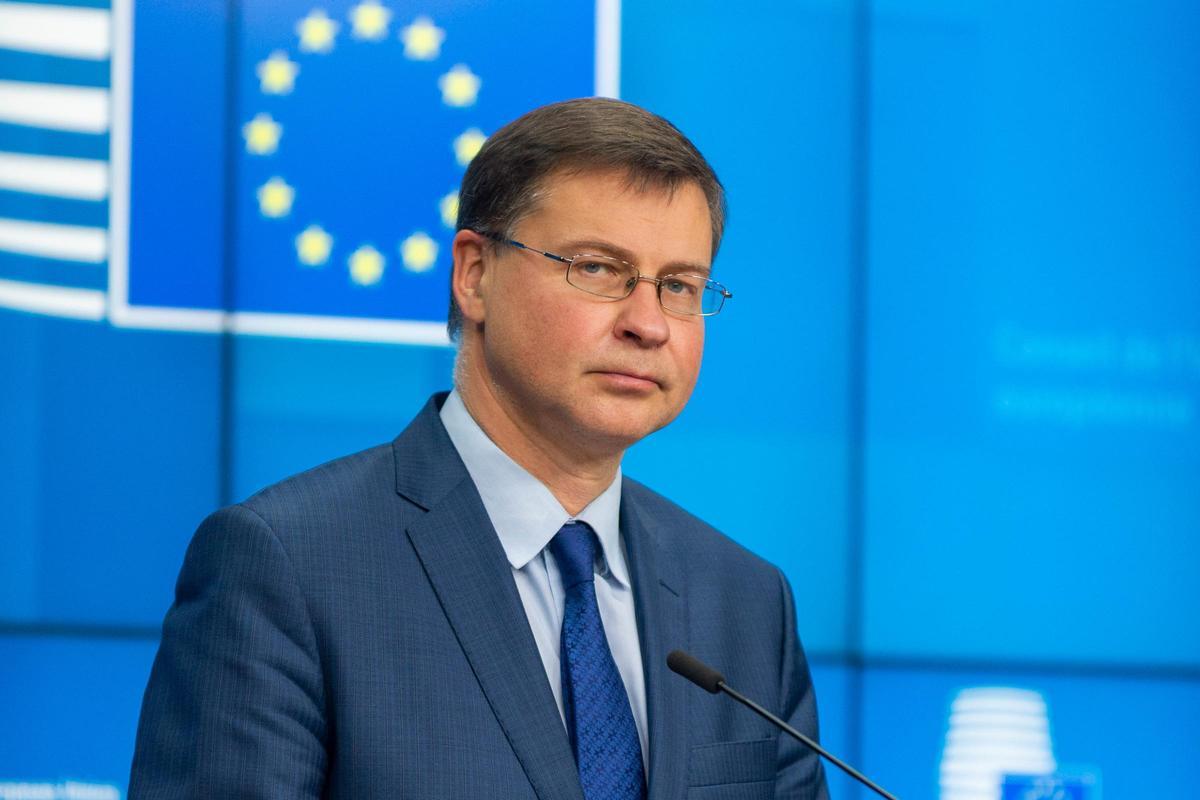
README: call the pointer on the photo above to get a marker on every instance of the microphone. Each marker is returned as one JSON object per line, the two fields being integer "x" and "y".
{"x": 713, "y": 682}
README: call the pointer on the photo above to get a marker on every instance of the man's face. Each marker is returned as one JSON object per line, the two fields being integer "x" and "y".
{"x": 586, "y": 370}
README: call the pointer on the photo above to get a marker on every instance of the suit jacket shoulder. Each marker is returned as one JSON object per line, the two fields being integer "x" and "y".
{"x": 375, "y": 491}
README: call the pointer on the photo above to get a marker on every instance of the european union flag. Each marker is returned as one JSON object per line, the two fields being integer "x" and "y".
{"x": 313, "y": 193}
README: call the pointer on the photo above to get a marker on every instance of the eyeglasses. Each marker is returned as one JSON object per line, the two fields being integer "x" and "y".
{"x": 604, "y": 276}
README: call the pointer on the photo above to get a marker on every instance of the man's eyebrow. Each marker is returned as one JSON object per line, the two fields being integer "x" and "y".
{"x": 599, "y": 247}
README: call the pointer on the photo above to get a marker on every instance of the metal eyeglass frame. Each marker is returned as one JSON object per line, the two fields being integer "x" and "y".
{"x": 724, "y": 293}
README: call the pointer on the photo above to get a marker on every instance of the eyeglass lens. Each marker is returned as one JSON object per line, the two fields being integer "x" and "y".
{"x": 607, "y": 277}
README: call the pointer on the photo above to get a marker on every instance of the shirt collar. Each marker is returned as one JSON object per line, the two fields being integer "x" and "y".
{"x": 523, "y": 511}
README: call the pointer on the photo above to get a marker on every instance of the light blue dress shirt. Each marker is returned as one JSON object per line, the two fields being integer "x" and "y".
{"x": 526, "y": 517}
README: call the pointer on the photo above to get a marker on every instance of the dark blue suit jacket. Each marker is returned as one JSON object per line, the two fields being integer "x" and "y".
{"x": 355, "y": 632}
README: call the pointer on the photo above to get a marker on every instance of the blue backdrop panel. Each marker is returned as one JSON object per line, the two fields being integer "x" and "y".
{"x": 761, "y": 451}
{"x": 71, "y": 707}
{"x": 110, "y": 459}
{"x": 1138, "y": 736}
{"x": 1033, "y": 431}
{"x": 299, "y": 404}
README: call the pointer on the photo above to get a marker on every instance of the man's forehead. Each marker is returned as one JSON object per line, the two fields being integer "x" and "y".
{"x": 595, "y": 205}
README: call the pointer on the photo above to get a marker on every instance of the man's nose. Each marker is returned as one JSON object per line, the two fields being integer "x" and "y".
{"x": 642, "y": 317}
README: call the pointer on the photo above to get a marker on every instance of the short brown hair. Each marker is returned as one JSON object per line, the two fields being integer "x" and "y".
{"x": 503, "y": 180}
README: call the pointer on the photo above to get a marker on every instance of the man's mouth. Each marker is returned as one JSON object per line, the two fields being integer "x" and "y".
{"x": 630, "y": 378}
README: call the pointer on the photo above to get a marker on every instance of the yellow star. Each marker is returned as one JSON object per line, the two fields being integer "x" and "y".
{"x": 422, "y": 40}
{"x": 366, "y": 266}
{"x": 370, "y": 20}
{"x": 459, "y": 86}
{"x": 275, "y": 198}
{"x": 313, "y": 246}
{"x": 419, "y": 252}
{"x": 317, "y": 32}
{"x": 277, "y": 74}
{"x": 448, "y": 207}
{"x": 262, "y": 135}
{"x": 467, "y": 144}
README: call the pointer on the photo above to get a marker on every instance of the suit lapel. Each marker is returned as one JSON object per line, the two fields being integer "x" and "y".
{"x": 659, "y": 599}
{"x": 467, "y": 568}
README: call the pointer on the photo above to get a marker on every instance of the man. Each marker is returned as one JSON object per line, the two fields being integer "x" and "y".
{"x": 483, "y": 608}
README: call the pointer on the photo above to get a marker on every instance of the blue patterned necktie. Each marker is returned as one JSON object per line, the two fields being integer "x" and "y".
{"x": 599, "y": 719}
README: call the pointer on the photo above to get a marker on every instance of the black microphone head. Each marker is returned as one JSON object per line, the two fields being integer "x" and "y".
{"x": 695, "y": 670}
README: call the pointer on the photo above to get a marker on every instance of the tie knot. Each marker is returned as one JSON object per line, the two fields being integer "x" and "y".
{"x": 574, "y": 548}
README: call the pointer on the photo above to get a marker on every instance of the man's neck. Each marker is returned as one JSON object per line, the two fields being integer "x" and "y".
{"x": 575, "y": 476}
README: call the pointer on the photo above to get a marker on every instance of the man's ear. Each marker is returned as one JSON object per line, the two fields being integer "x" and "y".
{"x": 470, "y": 276}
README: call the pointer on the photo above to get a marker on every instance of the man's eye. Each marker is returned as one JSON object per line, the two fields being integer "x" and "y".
{"x": 593, "y": 268}
{"x": 675, "y": 286}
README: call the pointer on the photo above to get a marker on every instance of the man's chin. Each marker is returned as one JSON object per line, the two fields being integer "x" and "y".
{"x": 618, "y": 426}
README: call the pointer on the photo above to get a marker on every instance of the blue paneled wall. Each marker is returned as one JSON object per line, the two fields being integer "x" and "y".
{"x": 955, "y": 396}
